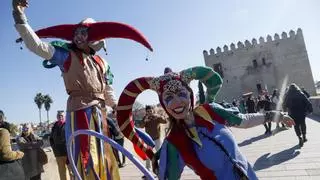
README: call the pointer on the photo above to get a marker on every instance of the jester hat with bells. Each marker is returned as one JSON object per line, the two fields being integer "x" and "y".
{"x": 170, "y": 81}
{"x": 97, "y": 31}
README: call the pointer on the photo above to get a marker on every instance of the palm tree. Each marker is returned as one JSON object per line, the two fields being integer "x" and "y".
{"x": 47, "y": 104}
{"x": 39, "y": 101}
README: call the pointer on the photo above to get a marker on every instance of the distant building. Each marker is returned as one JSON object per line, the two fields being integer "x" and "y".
{"x": 257, "y": 66}
{"x": 317, "y": 84}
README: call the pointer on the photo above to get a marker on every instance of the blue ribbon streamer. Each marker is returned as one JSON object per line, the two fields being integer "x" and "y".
{"x": 112, "y": 143}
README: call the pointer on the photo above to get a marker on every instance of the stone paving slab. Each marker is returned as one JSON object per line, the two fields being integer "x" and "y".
{"x": 279, "y": 156}
{"x": 275, "y": 157}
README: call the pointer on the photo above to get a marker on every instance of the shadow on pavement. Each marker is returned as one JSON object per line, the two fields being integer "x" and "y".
{"x": 277, "y": 130}
{"x": 253, "y": 139}
{"x": 266, "y": 161}
{"x": 314, "y": 117}
{"x": 262, "y": 136}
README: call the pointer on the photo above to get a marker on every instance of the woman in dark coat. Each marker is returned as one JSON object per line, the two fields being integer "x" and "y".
{"x": 30, "y": 144}
{"x": 298, "y": 107}
{"x": 10, "y": 161}
{"x": 264, "y": 105}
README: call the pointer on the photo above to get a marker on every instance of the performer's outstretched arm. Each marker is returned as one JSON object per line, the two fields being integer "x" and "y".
{"x": 251, "y": 120}
{"x": 31, "y": 40}
{"x": 255, "y": 119}
{"x": 236, "y": 119}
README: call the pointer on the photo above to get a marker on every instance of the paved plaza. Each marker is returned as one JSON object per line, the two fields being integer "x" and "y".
{"x": 276, "y": 157}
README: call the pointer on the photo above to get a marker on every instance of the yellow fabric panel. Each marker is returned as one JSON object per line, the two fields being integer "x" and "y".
{"x": 93, "y": 144}
{"x": 195, "y": 138}
{"x": 114, "y": 170}
{"x": 202, "y": 112}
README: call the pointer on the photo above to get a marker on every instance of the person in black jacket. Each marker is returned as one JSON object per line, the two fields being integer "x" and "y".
{"x": 58, "y": 144}
{"x": 250, "y": 105}
{"x": 298, "y": 107}
{"x": 30, "y": 144}
{"x": 264, "y": 104}
{"x": 118, "y": 137}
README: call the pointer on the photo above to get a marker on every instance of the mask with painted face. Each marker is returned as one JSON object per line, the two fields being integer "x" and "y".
{"x": 177, "y": 103}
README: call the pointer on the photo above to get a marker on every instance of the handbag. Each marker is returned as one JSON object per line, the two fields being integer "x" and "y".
{"x": 43, "y": 157}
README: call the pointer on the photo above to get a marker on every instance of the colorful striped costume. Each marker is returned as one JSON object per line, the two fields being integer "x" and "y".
{"x": 88, "y": 80}
{"x": 202, "y": 142}
{"x": 212, "y": 143}
{"x": 93, "y": 158}
{"x": 90, "y": 156}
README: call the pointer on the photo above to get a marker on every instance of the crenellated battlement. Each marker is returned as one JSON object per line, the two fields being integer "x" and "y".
{"x": 253, "y": 43}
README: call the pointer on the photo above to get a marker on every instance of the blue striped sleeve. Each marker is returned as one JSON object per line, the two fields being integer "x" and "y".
{"x": 59, "y": 57}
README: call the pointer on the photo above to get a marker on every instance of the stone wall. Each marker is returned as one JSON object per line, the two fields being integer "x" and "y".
{"x": 315, "y": 100}
{"x": 275, "y": 59}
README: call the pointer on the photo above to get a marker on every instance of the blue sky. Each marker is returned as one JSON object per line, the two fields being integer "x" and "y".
{"x": 178, "y": 30}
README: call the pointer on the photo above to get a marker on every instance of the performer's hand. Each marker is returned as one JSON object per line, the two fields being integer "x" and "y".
{"x": 20, "y": 5}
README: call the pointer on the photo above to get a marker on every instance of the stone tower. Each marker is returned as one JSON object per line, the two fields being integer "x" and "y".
{"x": 255, "y": 66}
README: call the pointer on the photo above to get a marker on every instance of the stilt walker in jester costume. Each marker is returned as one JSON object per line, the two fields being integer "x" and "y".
{"x": 87, "y": 79}
{"x": 198, "y": 136}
